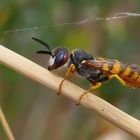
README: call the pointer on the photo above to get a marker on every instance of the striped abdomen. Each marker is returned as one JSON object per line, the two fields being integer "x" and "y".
{"x": 130, "y": 73}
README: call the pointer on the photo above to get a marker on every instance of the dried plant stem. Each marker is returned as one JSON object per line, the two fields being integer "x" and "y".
{"x": 43, "y": 76}
{"x": 6, "y": 126}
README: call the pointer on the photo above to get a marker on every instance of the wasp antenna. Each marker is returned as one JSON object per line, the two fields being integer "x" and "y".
{"x": 43, "y": 52}
{"x": 44, "y": 44}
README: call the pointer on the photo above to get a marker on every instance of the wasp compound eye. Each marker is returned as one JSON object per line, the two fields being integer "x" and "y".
{"x": 59, "y": 58}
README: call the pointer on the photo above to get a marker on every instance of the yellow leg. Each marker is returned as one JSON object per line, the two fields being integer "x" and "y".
{"x": 70, "y": 70}
{"x": 118, "y": 78}
{"x": 93, "y": 87}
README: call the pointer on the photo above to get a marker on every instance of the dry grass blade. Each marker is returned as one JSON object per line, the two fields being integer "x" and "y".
{"x": 6, "y": 126}
{"x": 43, "y": 76}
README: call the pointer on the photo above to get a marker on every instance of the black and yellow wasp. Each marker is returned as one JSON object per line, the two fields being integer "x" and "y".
{"x": 95, "y": 70}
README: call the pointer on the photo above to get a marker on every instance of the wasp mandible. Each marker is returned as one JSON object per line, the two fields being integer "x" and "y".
{"x": 95, "y": 69}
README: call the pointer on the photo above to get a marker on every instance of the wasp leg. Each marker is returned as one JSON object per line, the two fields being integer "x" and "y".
{"x": 118, "y": 78}
{"x": 70, "y": 70}
{"x": 93, "y": 87}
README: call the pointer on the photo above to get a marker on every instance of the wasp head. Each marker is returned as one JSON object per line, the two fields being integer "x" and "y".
{"x": 58, "y": 57}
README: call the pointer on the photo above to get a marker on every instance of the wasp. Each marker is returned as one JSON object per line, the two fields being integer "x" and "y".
{"x": 95, "y": 69}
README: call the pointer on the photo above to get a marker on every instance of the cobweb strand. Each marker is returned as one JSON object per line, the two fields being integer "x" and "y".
{"x": 116, "y": 16}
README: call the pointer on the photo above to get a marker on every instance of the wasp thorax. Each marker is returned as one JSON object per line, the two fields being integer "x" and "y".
{"x": 59, "y": 58}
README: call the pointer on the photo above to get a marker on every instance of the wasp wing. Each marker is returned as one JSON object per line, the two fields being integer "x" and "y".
{"x": 104, "y": 65}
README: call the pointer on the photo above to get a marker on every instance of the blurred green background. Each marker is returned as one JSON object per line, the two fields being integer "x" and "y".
{"x": 32, "y": 111}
